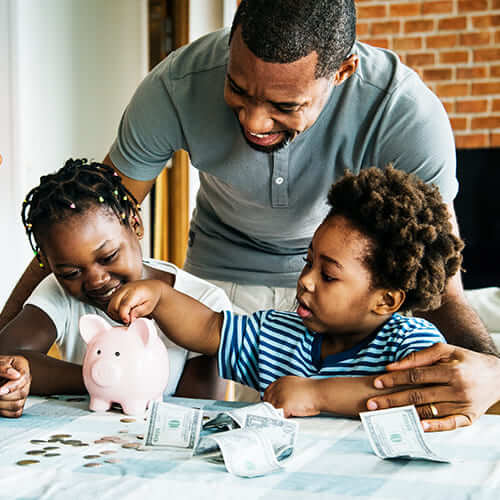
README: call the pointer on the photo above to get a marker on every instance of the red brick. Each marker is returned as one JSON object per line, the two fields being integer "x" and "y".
{"x": 495, "y": 105}
{"x": 362, "y": 29}
{"x": 473, "y": 72}
{"x": 452, "y": 24}
{"x": 457, "y": 56}
{"x": 377, "y": 42}
{"x": 472, "y": 5}
{"x": 422, "y": 59}
{"x": 485, "y": 122}
{"x": 495, "y": 71}
{"x": 441, "y": 41}
{"x": 439, "y": 7}
{"x": 477, "y": 106}
{"x": 486, "y": 88}
{"x": 458, "y": 123}
{"x": 471, "y": 141}
{"x": 485, "y": 21}
{"x": 494, "y": 140}
{"x": 452, "y": 90}
{"x": 479, "y": 38}
{"x": 405, "y": 9}
{"x": 385, "y": 28}
{"x": 481, "y": 55}
{"x": 407, "y": 43}
{"x": 419, "y": 26}
{"x": 449, "y": 106}
{"x": 438, "y": 74}
{"x": 369, "y": 11}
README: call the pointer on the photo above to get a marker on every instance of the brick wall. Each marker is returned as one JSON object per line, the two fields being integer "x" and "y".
{"x": 455, "y": 47}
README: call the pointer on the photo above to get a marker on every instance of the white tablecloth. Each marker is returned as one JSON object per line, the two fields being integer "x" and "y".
{"x": 333, "y": 460}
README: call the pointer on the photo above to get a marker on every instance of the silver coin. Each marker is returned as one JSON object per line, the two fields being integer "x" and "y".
{"x": 131, "y": 445}
{"x": 107, "y": 452}
{"x": 37, "y": 441}
{"x": 35, "y": 452}
{"x": 91, "y": 464}
{"x": 88, "y": 457}
{"x": 52, "y": 455}
{"x": 60, "y": 436}
{"x": 48, "y": 448}
{"x": 27, "y": 462}
{"x": 127, "y": 420}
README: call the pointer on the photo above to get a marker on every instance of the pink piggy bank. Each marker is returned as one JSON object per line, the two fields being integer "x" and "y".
{"x": 123, "y": 365}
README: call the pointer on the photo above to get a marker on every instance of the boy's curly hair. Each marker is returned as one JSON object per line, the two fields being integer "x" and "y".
{"x": 414, "y": 248}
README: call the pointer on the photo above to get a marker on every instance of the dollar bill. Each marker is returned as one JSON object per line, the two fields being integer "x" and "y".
{"x": 397, "y": 432}
{"x": 173, "y": 425}
{"x": 235, "y": 418}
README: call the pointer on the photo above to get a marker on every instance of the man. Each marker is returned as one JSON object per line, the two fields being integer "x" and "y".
{"x": 271, "y": 114}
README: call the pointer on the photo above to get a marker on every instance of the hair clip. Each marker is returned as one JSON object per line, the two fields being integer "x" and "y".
{"x": 41, "y": 264}
{"x": 123, "y": 215}
{"x": 72, "y": 205}
{"x": 115, "y": 192}
{"x": 125, "y": 198}
{"x": 101, "y": 199}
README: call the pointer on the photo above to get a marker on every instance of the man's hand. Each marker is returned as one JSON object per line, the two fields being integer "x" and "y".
{"x": 459, "y": 385}
{"x": 135, "y": 300}
{"x": 298, "y": 396}
{"x": 15, "y": 381}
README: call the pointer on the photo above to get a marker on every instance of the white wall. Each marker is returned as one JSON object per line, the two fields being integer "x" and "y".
{"x": 69, "y": 67}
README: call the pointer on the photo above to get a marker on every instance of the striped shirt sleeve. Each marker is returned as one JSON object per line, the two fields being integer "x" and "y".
{"x": 421, "y": 335}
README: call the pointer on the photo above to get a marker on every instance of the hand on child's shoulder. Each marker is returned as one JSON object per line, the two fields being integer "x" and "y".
{"x": 296, "y": 395}
{"x": 15, "y": 381}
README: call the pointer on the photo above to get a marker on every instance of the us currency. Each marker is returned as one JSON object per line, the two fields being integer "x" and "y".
{"x": 173, "y": 425}
{"x": 397, "y": 432}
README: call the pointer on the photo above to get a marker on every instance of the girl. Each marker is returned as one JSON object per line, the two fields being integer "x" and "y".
{"x": 85, "y": 227}
{"x": 385, "y": 245}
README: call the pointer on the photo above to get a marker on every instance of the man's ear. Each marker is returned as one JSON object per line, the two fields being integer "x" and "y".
{"x": 135, "y": 222}
{"x": 347, "y": 68}
{"x": 389, "y": 301}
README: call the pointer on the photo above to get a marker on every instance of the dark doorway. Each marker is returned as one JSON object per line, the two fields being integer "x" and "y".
{"x": 478, "y": 211}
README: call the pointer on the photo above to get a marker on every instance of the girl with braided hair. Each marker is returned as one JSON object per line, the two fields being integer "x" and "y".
{"x": 386, "y": 245}
{"x": 85, "y": 227}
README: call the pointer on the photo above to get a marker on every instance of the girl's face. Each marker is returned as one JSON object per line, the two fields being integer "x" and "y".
{"x": 93, "y": 254}
{"x": 334, "y": 290}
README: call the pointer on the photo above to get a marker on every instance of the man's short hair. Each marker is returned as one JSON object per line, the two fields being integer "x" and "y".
{"x": 284, "y": 31}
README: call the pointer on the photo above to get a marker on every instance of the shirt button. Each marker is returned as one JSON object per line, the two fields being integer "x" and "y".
{"x": 279, "y": 180}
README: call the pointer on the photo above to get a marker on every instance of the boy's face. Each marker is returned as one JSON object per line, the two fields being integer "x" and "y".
{"x": 92, "y": 255}
{"x": 334, "y": 289}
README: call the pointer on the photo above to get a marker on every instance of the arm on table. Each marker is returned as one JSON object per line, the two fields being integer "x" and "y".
{"x": 30, "y": 334}
{"x": 184, "y": 320}
{"x": 460, "y": 383}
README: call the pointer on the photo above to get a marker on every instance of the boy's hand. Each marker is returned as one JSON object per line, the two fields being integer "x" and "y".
{"x": 297, "y": 396}
{"x": 15, "y": 381}
{"x": 135, "y": 300}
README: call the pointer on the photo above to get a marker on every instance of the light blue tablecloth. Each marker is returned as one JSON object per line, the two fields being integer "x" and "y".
{"x": 333, "y": 460}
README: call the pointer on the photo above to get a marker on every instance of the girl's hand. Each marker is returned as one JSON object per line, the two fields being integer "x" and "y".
{"x": 15, "y": 381}
{"x": 135, "y": 300}
{"x": 298, "y": 396}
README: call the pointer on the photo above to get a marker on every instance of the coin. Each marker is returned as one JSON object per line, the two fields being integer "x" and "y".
{"x": 27, "y": 462}
{"x": 123, "y": 431}
{"x": 131, "y": 445}
{"x": 112, "y": 460}
{"x": 47, "y": 448}
{"x": 107, "y": 452}
{"x": 91, "y": 464}
{"x": 140, "y": 436}
{"x": 37, "y": 441}
{"x": 35, "y": 452}
{"x": 52, "y": 454}
{"x": 88, "y": 457}
{"x": 127, "y": 420}
{"x": 60, "y": 436}
{"x": 54, "y": 440}
{"x": 71, "y": 441}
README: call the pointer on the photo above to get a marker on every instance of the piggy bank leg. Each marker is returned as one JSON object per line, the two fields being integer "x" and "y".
{"x": 97, "y": 404}
{"x": 134, "y": 407}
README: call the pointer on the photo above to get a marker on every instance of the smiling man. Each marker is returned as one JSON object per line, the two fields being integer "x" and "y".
{"x": 271, "y": 113}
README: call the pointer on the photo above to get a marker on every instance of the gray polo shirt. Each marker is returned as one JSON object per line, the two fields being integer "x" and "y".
{"x": 257, "y": 212}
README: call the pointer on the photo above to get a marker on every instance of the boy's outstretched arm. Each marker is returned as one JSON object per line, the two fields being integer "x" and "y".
{"x": 300, "y": 397}
{"x": 184, "y": 320}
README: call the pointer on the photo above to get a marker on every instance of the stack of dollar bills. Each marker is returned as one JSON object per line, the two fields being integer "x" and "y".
{"x": 251, "y": 441}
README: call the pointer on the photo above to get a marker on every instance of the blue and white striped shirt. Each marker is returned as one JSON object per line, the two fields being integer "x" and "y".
{"x": 256, "y": 350}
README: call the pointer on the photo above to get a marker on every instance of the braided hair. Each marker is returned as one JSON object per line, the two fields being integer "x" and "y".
{"x": 74, "y": 189}
{"x": 413, "y": 245}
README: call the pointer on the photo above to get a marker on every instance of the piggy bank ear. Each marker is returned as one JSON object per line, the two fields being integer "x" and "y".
{"x": 144, "y": 329}
{"x": 91, "y": 325}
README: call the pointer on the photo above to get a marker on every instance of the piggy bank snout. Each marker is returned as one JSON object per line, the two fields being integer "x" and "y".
{"x": 105, "y": 373}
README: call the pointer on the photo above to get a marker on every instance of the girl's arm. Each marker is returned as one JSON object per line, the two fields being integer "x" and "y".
{"x": 31, "y": 334}
{"x": 302, "y": 397}
{"x": 183, "y": 319}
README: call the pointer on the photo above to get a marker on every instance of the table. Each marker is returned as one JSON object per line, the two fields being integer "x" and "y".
{"x": 333, "y": 460}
